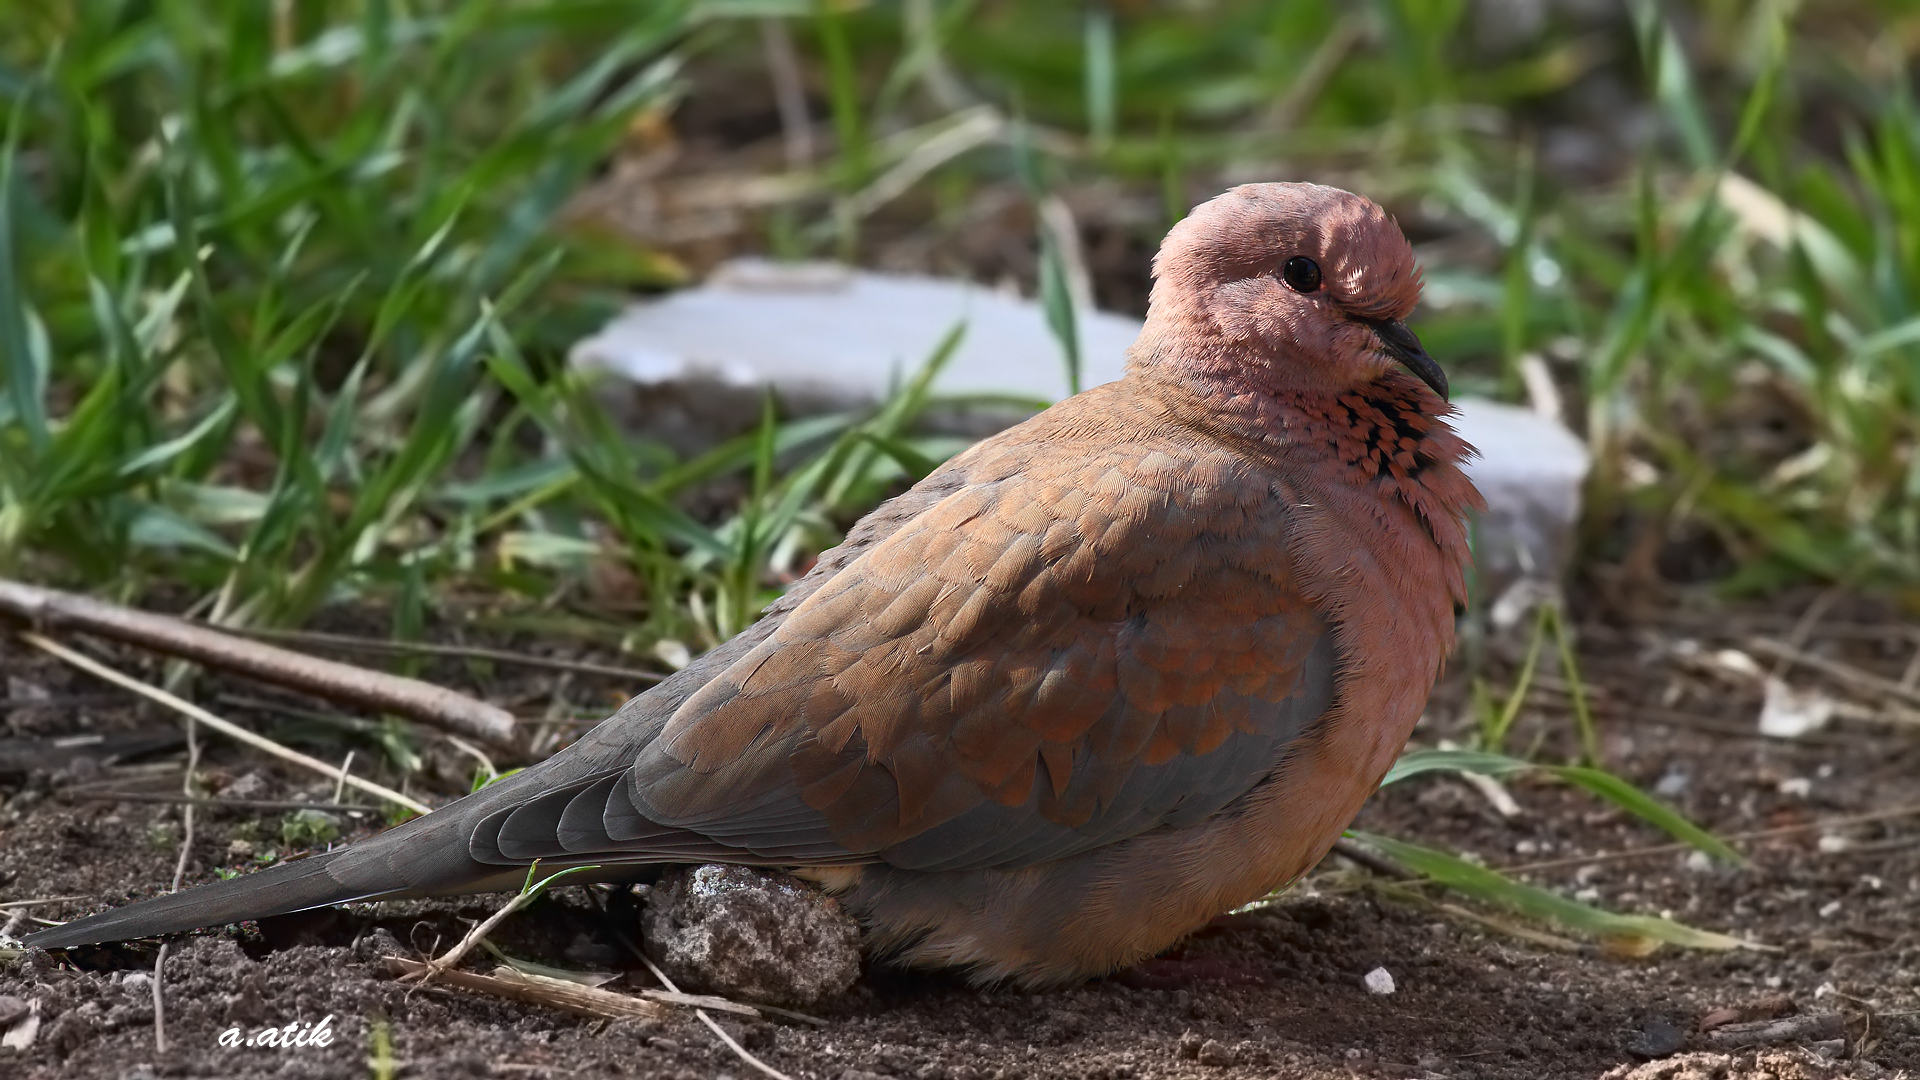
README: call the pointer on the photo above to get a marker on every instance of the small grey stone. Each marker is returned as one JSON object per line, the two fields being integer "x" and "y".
{"x": 750, "y": 934}
{"x": 369, "y": 947}
{"x": 1213, "y": 1052}
{"x": 1657, "y": 1040}
{"x": 11, "y": 1009}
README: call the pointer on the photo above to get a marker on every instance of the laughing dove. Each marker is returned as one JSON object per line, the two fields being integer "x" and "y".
{"x": 1094, "y": 681}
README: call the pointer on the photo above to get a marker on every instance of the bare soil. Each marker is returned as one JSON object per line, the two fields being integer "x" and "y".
{"x": 1276, "y": 991}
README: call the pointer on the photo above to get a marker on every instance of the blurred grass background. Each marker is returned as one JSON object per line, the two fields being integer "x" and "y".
{"x": 286, "y": 288}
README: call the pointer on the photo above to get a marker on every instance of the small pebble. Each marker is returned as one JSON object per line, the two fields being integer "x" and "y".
{"x": 1189, "y": 1045}
{"x": 137, "y": 981}
{"x": 1657, "y": 1040}
{"x": 1213, "y": 1052}
{"x": 1379, "y": 981}
{"x": 751, "y": 934}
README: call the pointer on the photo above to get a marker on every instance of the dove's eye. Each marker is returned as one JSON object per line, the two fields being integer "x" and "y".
{"x": 1301, "y": 274}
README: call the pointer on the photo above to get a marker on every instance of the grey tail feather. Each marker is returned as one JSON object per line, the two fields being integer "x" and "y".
{"x": 294, "y": 886}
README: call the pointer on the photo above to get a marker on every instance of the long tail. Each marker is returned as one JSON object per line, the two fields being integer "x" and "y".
{"x": 293, "y": 886}
{"x": 428, "y": 856}
{"x": 425, "y": 856}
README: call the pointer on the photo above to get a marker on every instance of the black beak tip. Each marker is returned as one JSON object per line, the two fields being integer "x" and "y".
{"x": 1403, "y": 346}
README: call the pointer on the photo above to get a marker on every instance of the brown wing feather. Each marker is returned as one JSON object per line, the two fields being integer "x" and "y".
{"x": 1070, "y": 649}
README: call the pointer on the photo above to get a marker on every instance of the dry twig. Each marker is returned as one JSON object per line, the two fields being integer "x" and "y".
{"x": 514, "y": 985}
{"x": 41, "y": 901}
{"x": 224, "y": 727}
{"x": 1813, "y": 1027}
{"x": 445, "y": 962}
{"x": 1846, "y": 674}
{"x": 789, "y": 92}
{"x": 376, "y": 691}
{"x": 354, "y": 643}
{"x": 719, "y": 1031}
{"x": 230, "y": 804}
{"x": 1889, "y": 814}
{"x": 179, "y": 875}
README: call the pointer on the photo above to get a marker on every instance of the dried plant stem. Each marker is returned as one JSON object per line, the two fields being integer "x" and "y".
{"x": 528, "y": 894}
{"x": 1847, "y": 675}
{"x": 534, "y": 990}
{"x": 224, "y": 727}
{"x": 355, "y": 643}
{"x": 444, "y": 963}
{"x": 789, "y": 93}
{"x": 41, "y": 901}
{"x": 719, "y": 1031}
{"x": 179, "y": 875}
{"x": 231, "y": 804}
{"x": 377, "y": 691}
{"x": 1889, "y": 814}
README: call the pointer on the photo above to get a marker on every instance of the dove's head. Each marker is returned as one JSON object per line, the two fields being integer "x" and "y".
{"x": 1293, "y": 286}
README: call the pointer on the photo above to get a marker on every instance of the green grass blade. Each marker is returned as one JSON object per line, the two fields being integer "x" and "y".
{"x": 1537, "y": 903}
{"x": 1102, "y": 78}
{"x": 23, "y": 353}
{"x": 1646, "y": 808}
{"x": 1603, "y": 784}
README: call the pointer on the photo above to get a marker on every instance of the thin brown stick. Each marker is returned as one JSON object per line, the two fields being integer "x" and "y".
{"x": 354, "y": 643}
{"x": 42, "y": 901}
{"x": 535, "y": 990}
{"x": 229, "y": 804}
{"x": 447, "y": 961}
{"x": 739, "y": 1050}
{"x": 224, "y": 727}
{"x": 1326, "y": 58}
{"x": 1852, "y": 677}
{"x": 698, "y": 1001}
{"x": 376, "y": 691}
{"x": 1890, "y": 814}
{"x": 1803, "y": 628}
{"x": 1732, "y": 729}
{"x": 672, "y": 996}
{"x": 789, "y": 93}
{"x": 186, "y": 812}
{"x": 179, "y": 875}
{"x": 1367, "y": 860}
{"x": 159, "y": 1003}
{"x": 1813, "y": 1027}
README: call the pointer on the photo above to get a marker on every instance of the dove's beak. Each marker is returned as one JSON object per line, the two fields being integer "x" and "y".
{"x": 1404, "y": 347}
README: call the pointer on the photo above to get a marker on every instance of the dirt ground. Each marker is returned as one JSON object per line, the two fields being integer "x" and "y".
{"x": 1831, "y": 897}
